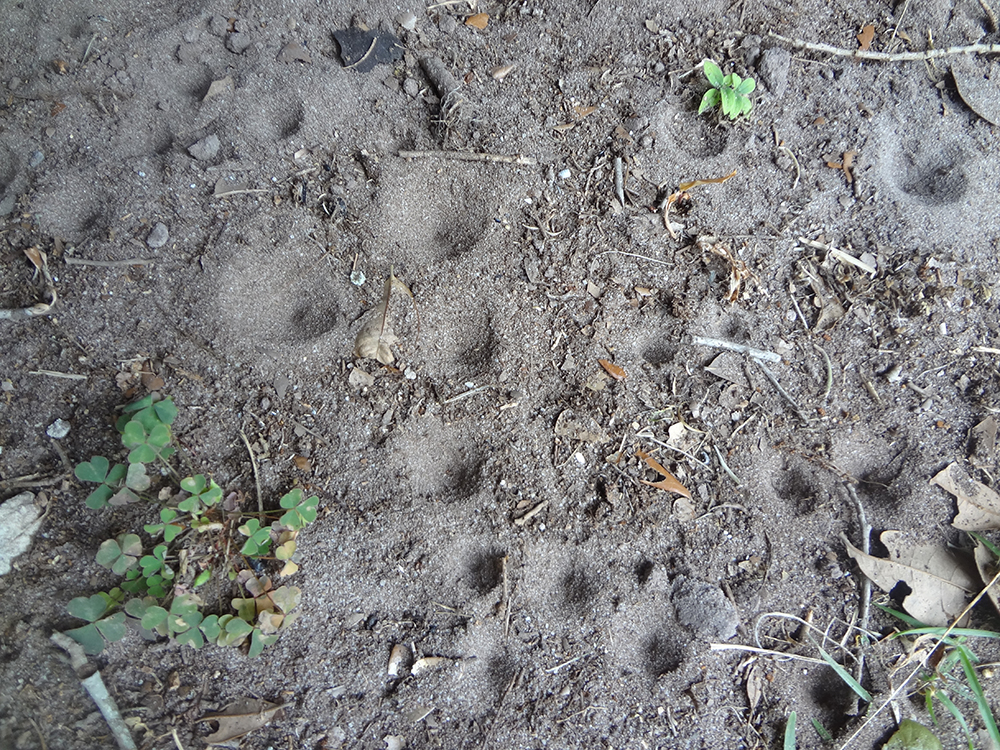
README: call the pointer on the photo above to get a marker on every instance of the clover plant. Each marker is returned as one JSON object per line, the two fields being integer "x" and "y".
{"x": 161, "y": 576}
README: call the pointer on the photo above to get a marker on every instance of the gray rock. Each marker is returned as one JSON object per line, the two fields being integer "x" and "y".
{"x": 411, "y": 87}
{"x": 7, "y": 205}
{"x": 20, "y": 520}
{"x": 774, "y": 70}
{"x": 448, "y": 24}
{"x": 218, "y": 25}
{"x": 705, "y": 609}
{"x": 238, "y": 42}
{"x": 36, "y": 158}
{"x": 58, "y": 429}
{"x": 159, "y": 236}
{"x": 206, "y": 148}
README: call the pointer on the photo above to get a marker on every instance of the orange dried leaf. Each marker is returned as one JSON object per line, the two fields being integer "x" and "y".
{"x": 711, "y": 181}
{"x": 618, "y": 373}
{"x": 36, "y": 256}
{"x": 478, "y": 21}
{"x": 669, "y": 483}
{"x": 866, "y": 37}
{"x": 303, "y": 463}
{"x": 849, "y": 164}
{"x": 582, "y": 111}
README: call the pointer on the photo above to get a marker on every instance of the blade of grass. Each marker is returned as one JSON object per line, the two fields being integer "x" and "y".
{"x": 789, "y": 743}
{"x": 846, "y": 677}
{"x": 953, "y": 710}
{"x": 968, "y": 632}
{"x": 977, "y": 691}
{"x": 987, "y": 543}
{"x": 821, "y": 731}
{"x": 911, "y": 621}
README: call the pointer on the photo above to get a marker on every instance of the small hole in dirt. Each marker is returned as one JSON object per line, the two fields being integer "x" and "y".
{"x": 577, "y": 589}
{"x": 500, "y": 671}
{"x": 643, "y": 570}
{"x": 485, "y": 571}
{"x": 659, "y": 354}
{"x": 463, "y": 478}
{"x": 663, "y": 654}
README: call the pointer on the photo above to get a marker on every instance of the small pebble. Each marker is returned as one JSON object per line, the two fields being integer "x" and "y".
{"x": 448, "y": 24}
{"x": 565, "y": 174}
{"x": 206, "y": 148}
{"x": 58, "y": 429}
{"x": 238, "y": 42}
{"x": 412, "y": 87}
{"x": 37, "y": 157}
{"x": 407, "y": 20}
{"x": 159, "y": 236}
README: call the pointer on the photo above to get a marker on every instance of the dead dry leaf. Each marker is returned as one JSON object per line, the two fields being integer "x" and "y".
{"x": 478, "y": 21}
{"x": 618, "y": 373}
{"x": 669, "y": 483}
{"x": 241, "y": 717}
{"x": 940, "y": 585}
{"x": 866, "y": 37}
{"x": 376, "y": 335}
{"x": 986, "y": 563}
{"x": 580, "y": 427}
{"x": 978, "y": 505}
{"x": 582, "y": 111}
{"x": 983, "y": 441}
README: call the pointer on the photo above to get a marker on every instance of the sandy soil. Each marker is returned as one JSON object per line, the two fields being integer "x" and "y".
{"x": 481, "y": 498}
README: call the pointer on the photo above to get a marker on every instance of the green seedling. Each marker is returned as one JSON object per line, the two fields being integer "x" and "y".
{"x": 97, "y": 469}
{"x": 120, "y": 554}
{"x": 730, "y": 91}
{"x": 170, "y": 530}
{"x": 299, "y": 512}
{"x": 205, "y": 493}
{"x": 259, "y": 542}
{"x": 99, "y": 628}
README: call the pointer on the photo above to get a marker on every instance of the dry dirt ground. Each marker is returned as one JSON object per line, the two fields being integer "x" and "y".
{"x": 481, "y": 498}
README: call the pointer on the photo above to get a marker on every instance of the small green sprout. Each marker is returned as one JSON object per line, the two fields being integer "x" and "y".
{"x": 204, "y": 494}
{"x": 170, "y": 530}
{"x": 259, "y": 542}
{"x": 120, "y": 554}
{"x": 300, "y": 512}
{"x": 728, "y": 90}
{"x": 99, "y": 628}
{"x": 97, "y": 469}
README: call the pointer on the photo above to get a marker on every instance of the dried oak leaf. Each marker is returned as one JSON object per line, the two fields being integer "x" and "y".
{"x": 986, "y": 563}
{"x": 978, "y": 505}
{"x": 615, "y": 371}
{"x": 376, "y": 335}
{"x": 939, "y": 582}
{"x": 866, "y": 37}
{"x": 241, "y": 717}
{"x": 669, "y": 483}
{"x": 478, "y": 21}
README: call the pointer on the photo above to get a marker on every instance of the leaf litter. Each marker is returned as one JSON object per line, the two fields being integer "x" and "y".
{"x": 240, "y": 718}
{"x": 978, "y": 505}
{"x": 376, "y": 335}
{"x": 940, "y": 583}
{"x": 669, "y": 483}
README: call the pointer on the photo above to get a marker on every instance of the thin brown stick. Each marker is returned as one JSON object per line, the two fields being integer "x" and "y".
{"x": 971, "y": 49}
{"x": 469, "y": 156}
{"x": 56, "y": 374}
{"x": 256, "y": 478}
{"x": 109, "y": 263}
